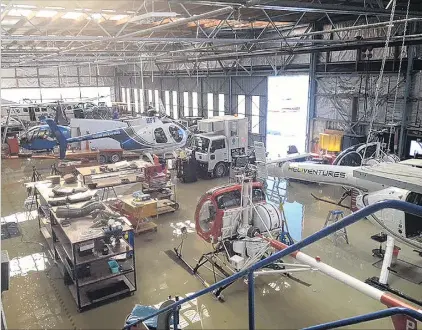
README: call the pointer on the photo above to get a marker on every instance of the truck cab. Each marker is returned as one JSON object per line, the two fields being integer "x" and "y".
{"x": 222, "y": 138}
{"x": 210, "y": 150}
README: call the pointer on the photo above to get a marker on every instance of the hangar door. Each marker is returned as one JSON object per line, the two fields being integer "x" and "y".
{"x": 287, "y": 113}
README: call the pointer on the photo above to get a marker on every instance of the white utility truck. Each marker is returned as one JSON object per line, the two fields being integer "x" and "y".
{"x": 221, "y": 139}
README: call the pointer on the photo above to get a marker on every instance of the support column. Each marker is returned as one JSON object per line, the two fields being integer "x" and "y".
{"x": 230, "y": 97}
{"x": 407, "y": 105}
{"x": 311, "y": 93}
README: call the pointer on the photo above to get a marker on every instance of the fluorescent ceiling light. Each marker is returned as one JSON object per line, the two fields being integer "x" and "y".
{"x": 72, "y": 15}
{"x": 24, "y": 6}
{"x": 96, "y": 16}
{"x": 55, "y": 8}
{"x": 109, "y": 10}
{"x": 46, "y": 13}
{"x": 117, "y": 17}
{"x": 155, "y": 14}
{"x": 19, "y": 12}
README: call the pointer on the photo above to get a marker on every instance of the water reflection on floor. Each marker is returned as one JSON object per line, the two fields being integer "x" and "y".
{"x": 38, "y": 297}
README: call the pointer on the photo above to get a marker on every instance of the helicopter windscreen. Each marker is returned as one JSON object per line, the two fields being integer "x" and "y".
{"x": 176, "y": 133}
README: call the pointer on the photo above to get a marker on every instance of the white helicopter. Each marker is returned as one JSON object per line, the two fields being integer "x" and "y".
{"x": 402, "y": 226}
{"x": 156, "y": 137}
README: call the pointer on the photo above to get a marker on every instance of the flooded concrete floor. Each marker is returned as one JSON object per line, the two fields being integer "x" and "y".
{"x": 38, "y": 297}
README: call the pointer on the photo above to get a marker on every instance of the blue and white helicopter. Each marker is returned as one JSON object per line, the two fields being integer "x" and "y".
{"x": 155, "y": 137}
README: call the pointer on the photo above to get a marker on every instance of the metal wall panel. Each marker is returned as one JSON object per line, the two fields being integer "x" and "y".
{"x": 28, "y": 82}
{"x": 49, "y": 82}
{"x": 69, "y": 71}
{"x": 48, "y": 72}
{"x": 26, "y": 72}
{"x": 8, "y": 83}
{"x": 8, "y": 73}
{"x": 69, "y": 81}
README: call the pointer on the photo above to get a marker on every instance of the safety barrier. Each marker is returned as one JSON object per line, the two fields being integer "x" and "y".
{"x": 347, "y": 221}
{"x": 368, "y": 317}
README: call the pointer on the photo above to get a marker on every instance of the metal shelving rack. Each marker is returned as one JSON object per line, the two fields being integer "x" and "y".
{"x": 167, "y": 201}
{"x": 64, "y": 241}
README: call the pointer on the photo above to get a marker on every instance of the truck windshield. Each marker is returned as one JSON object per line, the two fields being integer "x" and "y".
{"x": 200, "y": 143}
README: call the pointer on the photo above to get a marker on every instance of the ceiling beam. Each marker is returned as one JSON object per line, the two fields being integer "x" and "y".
{"x": 340, "y": 8}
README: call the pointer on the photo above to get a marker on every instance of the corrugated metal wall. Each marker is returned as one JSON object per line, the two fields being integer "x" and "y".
{"x": 57, "y": 77}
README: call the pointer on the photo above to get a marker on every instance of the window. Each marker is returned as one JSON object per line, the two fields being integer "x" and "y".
{"x": 175, "y": 112}
{"x": 135, "y": 94}
{"x": 206, "y": 215}
{"x": 199, "y": 143}
{"x": 221, "y": 105}
{"x": 176, "y": 133}
{"x": 229, "y": 199}
{"x": 160, "y": 136}
{"x": 129, "y": 105}
{"x": 218, "y": 144}
{"x": 195, "y": 104}
{"x": 142, "y": 100}
{"x": 186, "y": 104}
{"x": 150, "y": 97}
{"x": 255, "y": 115}
{"x": 123, "y": 95}
{"x": 157, "y": 101}
{"x": 37, "y": 109}
{"x": 258, "y": 195}
{"x": 25, "y": 109}
{"x": 241, "y": 106}
{"x": 210, "y": 105}
{"x": 167, "y": 101}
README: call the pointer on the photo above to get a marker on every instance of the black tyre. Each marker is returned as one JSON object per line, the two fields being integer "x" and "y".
{"x": 103, "y": 159}
{"x": 220, "y": 170}
{"x": 115, "y": 158}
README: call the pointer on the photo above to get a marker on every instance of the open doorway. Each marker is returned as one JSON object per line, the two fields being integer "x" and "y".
{"x": 287, "y": 113}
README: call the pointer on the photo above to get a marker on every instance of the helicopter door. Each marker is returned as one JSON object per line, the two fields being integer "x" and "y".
{"x": 160, "y": 135}
{"x": 218, "y": 153}
{"x": 208, "y": 219}
{"x": 413, "y": 223}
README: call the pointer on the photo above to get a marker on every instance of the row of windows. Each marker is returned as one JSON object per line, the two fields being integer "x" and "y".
{"x": 139, "y": 103}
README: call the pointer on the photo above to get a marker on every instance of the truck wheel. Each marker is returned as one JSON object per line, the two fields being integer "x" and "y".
{"x": 103, "y": 159}
{"x": 220, "y": 170}
{"x": 115, "y": 158}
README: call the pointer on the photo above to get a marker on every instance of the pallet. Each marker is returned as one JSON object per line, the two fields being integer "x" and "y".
{"x": 145, "y": 228}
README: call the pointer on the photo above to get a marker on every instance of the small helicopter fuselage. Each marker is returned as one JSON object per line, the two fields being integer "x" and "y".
{"x": 39, "y": 138}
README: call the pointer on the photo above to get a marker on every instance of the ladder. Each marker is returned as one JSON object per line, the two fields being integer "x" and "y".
{"x": 332, "y": 217}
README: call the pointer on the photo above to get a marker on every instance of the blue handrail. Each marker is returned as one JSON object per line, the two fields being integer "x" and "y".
{"x": 348, "y": 220}
{"x": 367, "y": 317}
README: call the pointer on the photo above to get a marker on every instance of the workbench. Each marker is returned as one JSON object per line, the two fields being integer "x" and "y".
{"x": 65, "y": 238}
{"x": 140, "y": 213}
{"x": 92, "y": 175}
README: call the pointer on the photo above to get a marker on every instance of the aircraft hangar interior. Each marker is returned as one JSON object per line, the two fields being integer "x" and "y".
{"x": 211, "y": 164}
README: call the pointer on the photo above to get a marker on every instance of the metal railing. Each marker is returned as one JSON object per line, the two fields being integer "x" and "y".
{"x": 368, "y": 317}
{"x": 347, "y": 221}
